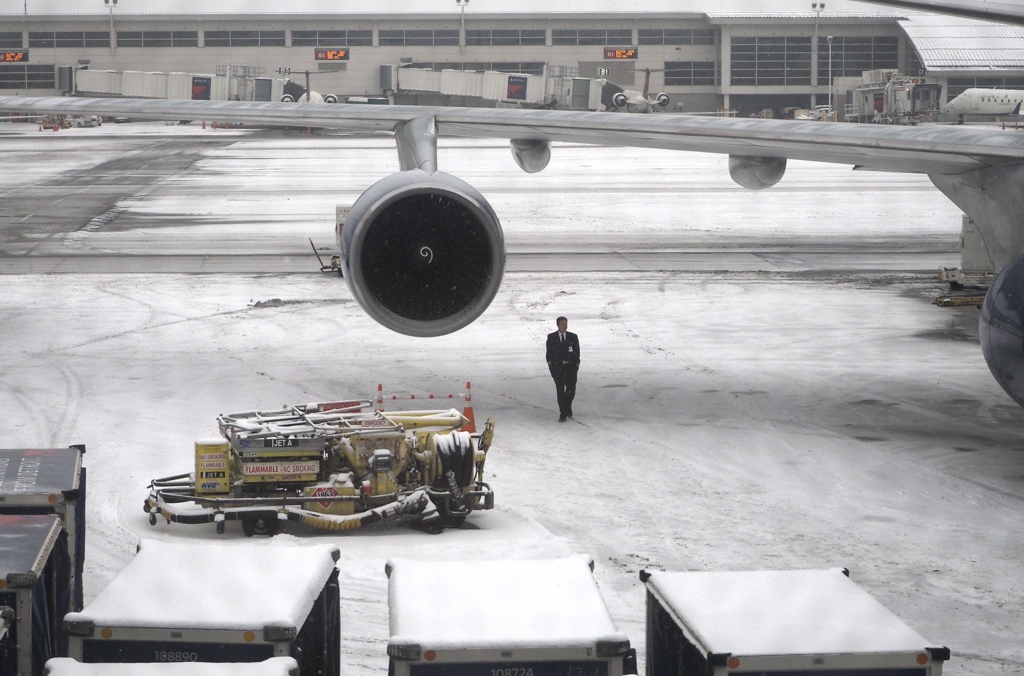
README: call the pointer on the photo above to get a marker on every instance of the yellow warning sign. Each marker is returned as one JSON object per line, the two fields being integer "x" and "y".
{"x": 215, "y": 456}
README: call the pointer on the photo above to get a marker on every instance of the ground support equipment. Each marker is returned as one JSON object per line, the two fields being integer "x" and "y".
{"x": 331, "y": 466}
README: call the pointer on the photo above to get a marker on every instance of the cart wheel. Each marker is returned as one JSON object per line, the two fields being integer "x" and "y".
{"x": 260, "y": 525}
{"x": 220, "y": 528}
{"x": 152, "y": 519}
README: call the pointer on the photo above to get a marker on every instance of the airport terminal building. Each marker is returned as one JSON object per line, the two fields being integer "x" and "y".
{"x": 705, "y": 61}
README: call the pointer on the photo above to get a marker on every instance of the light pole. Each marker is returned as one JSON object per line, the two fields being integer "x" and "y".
{"x": 818, "y": 8}
{"x": 111, "y": 4}
{"x": 462, "y": 25}
{"x": 831, "y": 99}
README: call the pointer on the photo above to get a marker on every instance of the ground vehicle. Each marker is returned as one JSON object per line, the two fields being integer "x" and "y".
{"x": 88, "y": 121}
{"x": 333, "y": 466}
{"x": 777, "y": 623}
{"x": 817, "y": 113}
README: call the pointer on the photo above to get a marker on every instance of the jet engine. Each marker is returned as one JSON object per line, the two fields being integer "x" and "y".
{"x": 663, "y": 100}
{"x": 292, "y": 91}
{"x": 330, "y": 98}
{"x": 422, "y": 253}
{"x": 619, "y": 100}
{"x": 756, "y": 173}
{"x": 1001, "y": 329}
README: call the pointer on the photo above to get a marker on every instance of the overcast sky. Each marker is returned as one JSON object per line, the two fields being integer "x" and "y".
{"x": 440, "y": 6}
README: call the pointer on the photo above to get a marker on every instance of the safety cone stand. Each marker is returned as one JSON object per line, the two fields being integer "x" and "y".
{"x": 467, "y": 411}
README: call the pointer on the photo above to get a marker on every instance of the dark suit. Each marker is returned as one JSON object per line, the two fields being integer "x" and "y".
{"x": 564, "y": 362}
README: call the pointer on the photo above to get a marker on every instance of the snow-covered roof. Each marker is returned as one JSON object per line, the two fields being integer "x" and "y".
{"x": 947, "y": 43}
{"x": 399, "y": 7}
{"x": 784, "y": 612}
{"x": 207, "y": 586}
{"x": 553, "y": 603}
{"x": 275, "y": 666}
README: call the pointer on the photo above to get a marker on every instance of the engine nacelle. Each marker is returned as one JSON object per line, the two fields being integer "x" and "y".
{"x": 422, "y": 253}
{"x": 619, "y": 100}
{"x": 330, "y": 98}
{"x": 531, "y": 155}
{"x": 663, "y": 100}
{"x": 1001, "y": 329}
{"x": 756, "y": 173}
{"x": 287, "y": 98}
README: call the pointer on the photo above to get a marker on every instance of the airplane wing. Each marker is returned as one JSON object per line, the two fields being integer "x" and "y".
{"x": 1005, "y": 12}
{"x": 423, "y": 251}
{"x": 924, "y": 149}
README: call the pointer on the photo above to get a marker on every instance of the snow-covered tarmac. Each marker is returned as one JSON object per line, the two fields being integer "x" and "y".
{"x": 768, "y": 414}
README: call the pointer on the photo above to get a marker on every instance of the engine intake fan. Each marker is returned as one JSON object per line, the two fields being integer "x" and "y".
{"x": 422, "y": 253}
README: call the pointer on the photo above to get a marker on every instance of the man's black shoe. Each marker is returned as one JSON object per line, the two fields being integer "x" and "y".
{"x": 561, "y": 418}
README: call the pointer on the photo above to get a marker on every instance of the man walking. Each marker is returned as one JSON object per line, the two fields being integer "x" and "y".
{"x": 563, "y": 355}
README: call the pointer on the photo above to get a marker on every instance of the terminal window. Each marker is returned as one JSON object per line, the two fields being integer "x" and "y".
{"x": 676, "y": 36}
{"x": 158, "y": 38}
{"x": 690, "y": 73}
{"x": 853, "y": 55}
{"x": 338, "y": 38}
{"x": 775, "y": 60}
{"x": 418, "y": 38}
{"x": 524, "y": 67}
{"x": 27, "y": 76}
{"x": 69, "y": 39}
{"x": 609, "y": 38}
{"x": 243, "y": 38}
{"x": 488, "y": 38}
{"x": 10, "y": 40}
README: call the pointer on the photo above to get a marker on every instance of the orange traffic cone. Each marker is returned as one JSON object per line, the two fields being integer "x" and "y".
{"x": 380, "y": 397}
{"x": 467, "y": 411}
{"x": 40, "y": 126}
{"x": 204, "y": 124}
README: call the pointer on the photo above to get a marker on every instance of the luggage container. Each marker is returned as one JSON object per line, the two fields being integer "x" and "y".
{"x": 216, "y": 603}
{"x": 275, "y": 666}
{"x": 777, "y": 623}
{"x": 49, "y": 481}
{"x": 34, "y": 566}
{"x": 498, "y": 618}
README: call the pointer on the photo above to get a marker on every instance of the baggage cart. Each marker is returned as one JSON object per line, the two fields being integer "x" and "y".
{"x": 216, "y": 603}
{"x": 275, "y": 666}
{"x": 502, "y": 618}
{"x": 49, "y": 481}
{"x": 775, "y": 623}
{"x": 34, "y": 565}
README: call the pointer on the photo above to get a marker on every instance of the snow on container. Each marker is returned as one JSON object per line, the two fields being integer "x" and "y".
{"x": 502, "y": 618}
{"x": 50, "y": 481}
{"x": 190, "y": 602}
{"x": 275, "y": 666}
{"x": 33, "y": 569}
{"x": 777, "y": 623}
